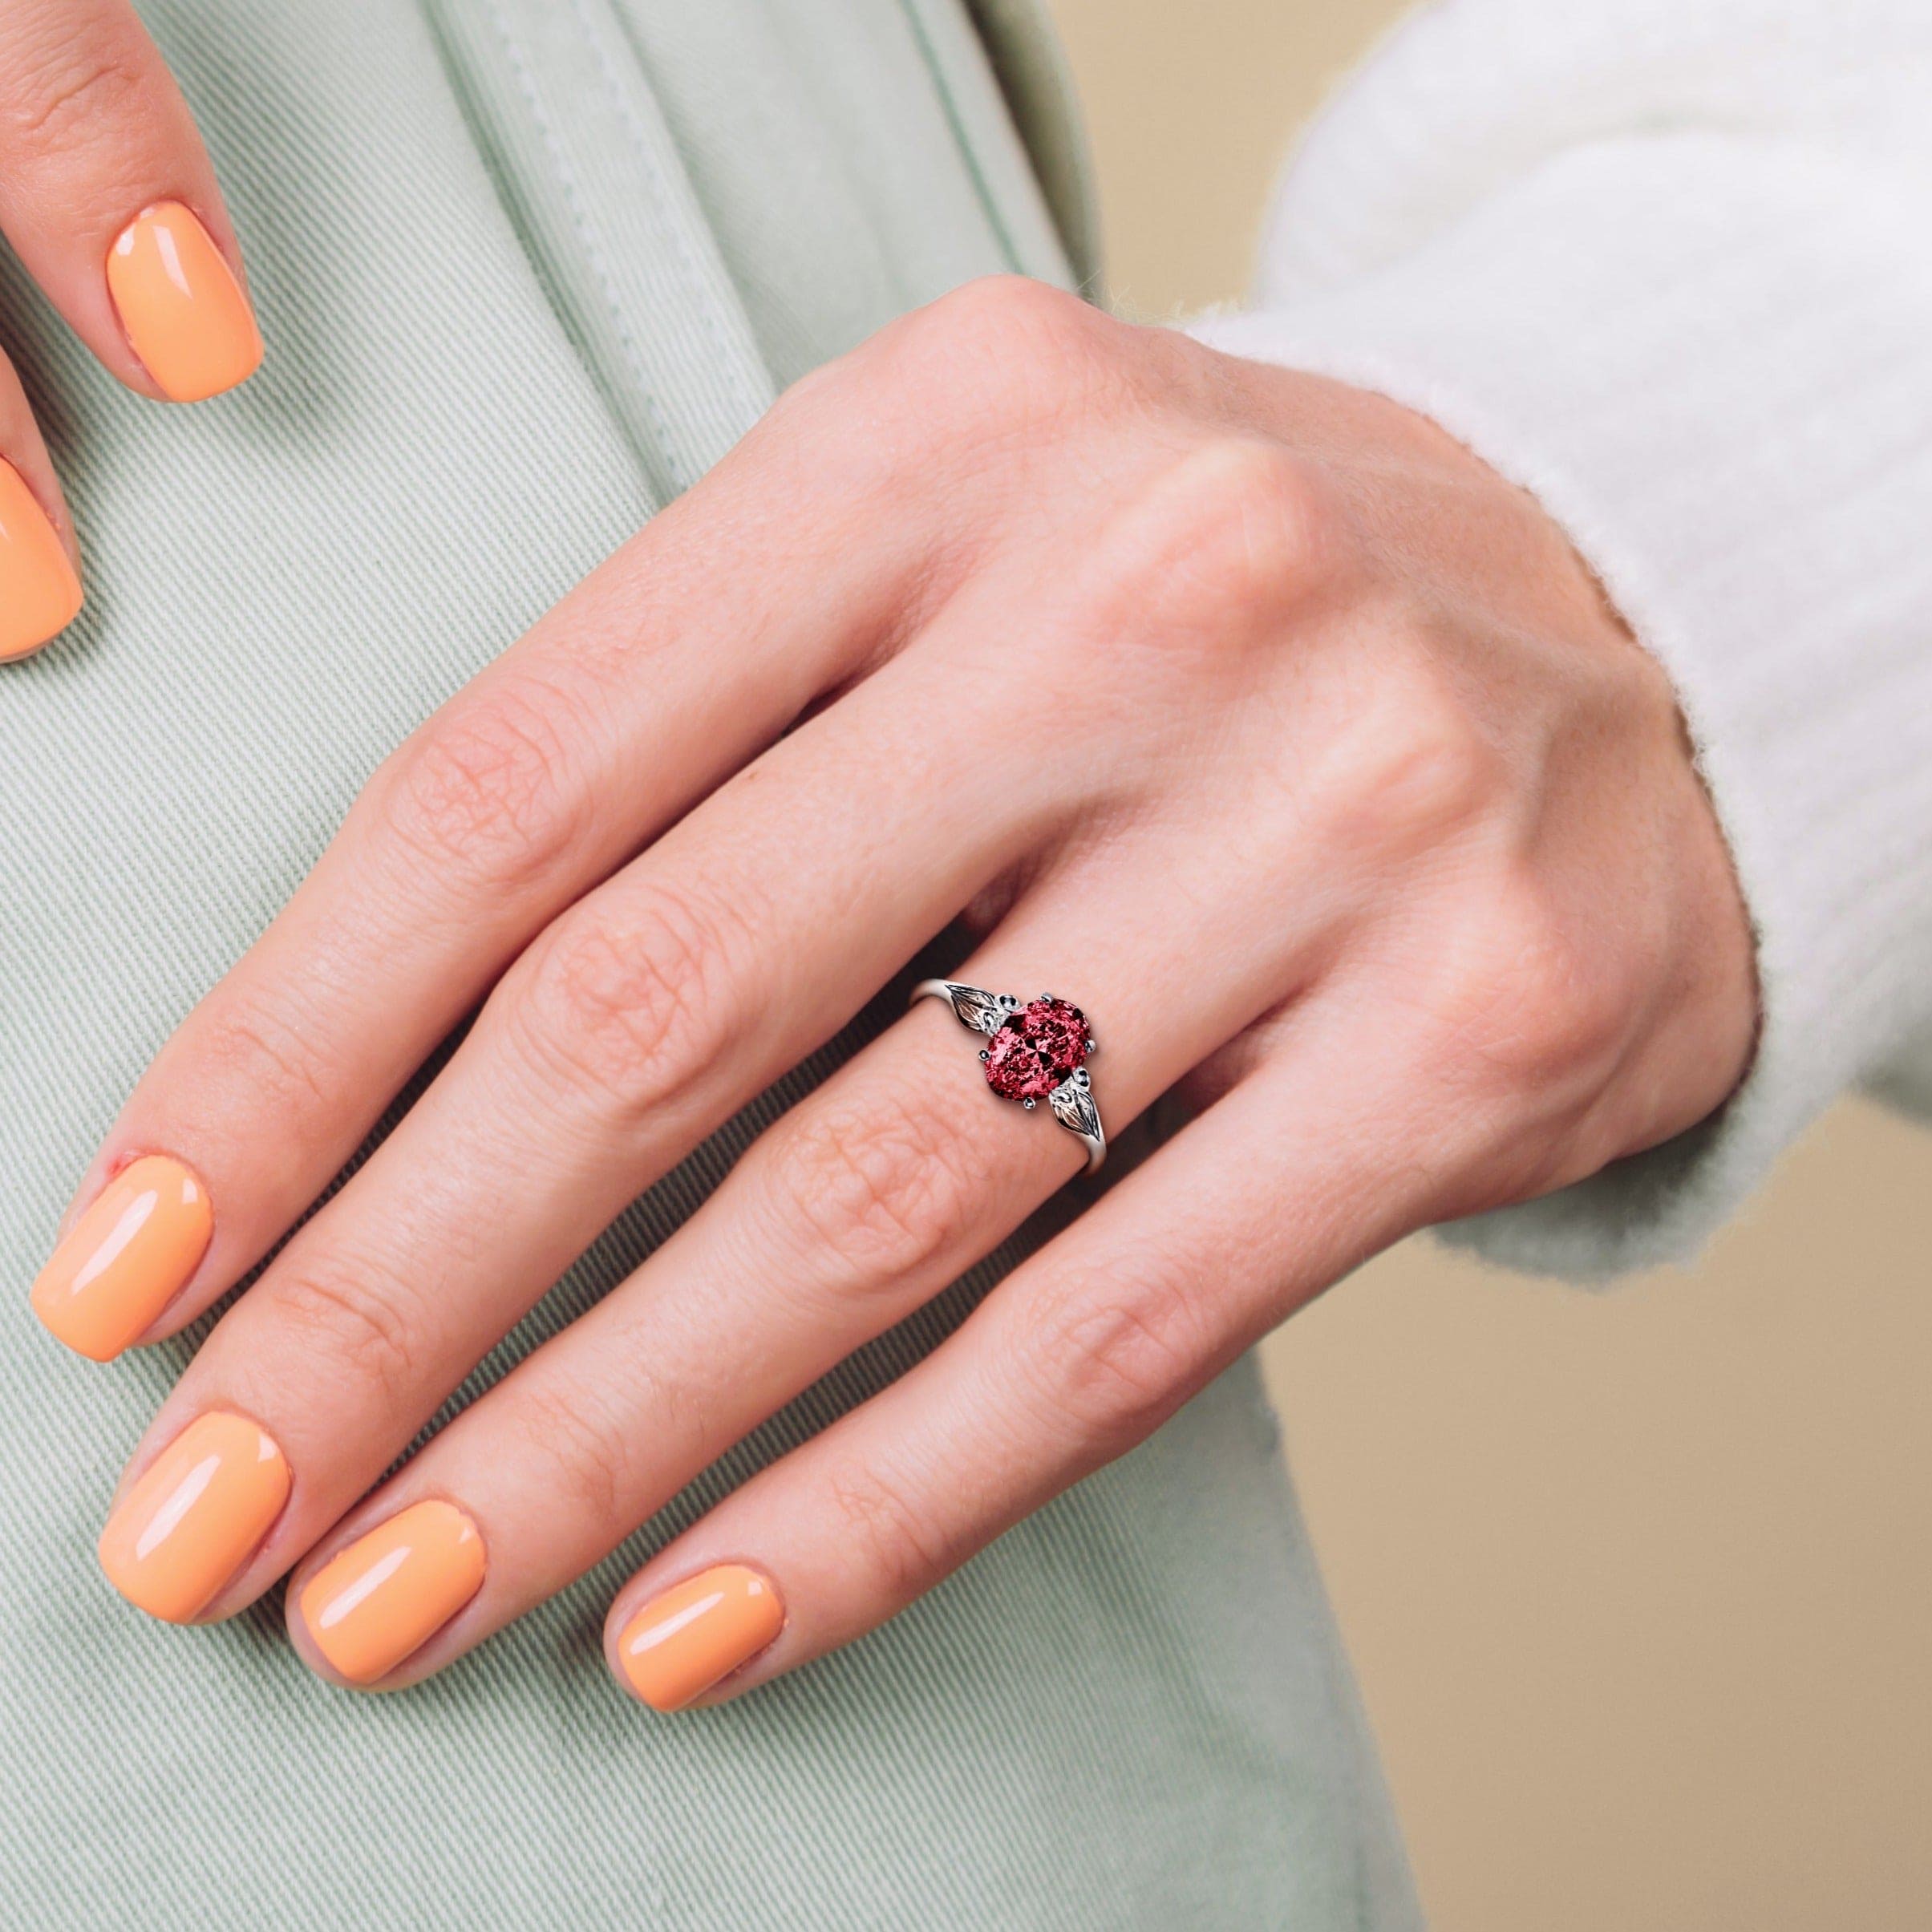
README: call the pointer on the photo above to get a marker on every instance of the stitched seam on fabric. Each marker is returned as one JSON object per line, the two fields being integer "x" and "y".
{"x": 1078, "y": 226}
{"x": 510, "y": 186}
{"x": 566, "y": 180}
{"x": 942, "y": 86}
{"x": 752, "y": 406}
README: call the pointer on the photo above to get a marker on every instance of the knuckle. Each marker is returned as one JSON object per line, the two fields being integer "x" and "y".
{"x": 264, "y": 1051}
{"x": 1413, "y": 769}
{"x": 76, "y": 99}
{"x": 900, "y": 1542}
{"x": 998, "y": 353}
{"x": 584, "y": 1448}
{"x": 635, "y": 1003}
{"x": 481, "y": 792}
{"x": 999, "y": 309}
{"x": 1222, "y": 545}
{"x": 354, "y": 1317}
{"x": 887, "y": 1190}
{"x": 1118, "y": 1355}
{"x": 1539, "y": 1007}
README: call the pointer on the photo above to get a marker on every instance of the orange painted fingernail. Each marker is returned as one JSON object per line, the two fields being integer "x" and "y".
{"x": 184, "y": 311}
{"x": 195, "y": 1517}
{"x": 391, "y": 1591}
{"x": 682, "y": 1642}
{"x": 126, "y": 1258}
{"x": 40, "y": 593}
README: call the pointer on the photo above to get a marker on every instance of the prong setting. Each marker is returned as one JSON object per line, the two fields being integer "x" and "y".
{"x": 1037, "y": 1051}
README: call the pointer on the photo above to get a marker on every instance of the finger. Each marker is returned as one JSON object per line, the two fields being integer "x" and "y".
{"x": 1081, "y": 1353}
{"x": 673, "y": 1007}
{"x": 646, "y": 1016}
{"x": 864, "y": 1201}
{"x": 40, "y": 593}
{"x": 694, "y": 648}
{"x": 108, "y": 197}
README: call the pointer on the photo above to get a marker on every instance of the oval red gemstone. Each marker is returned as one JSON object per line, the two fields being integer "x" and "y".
{"x": 1036, "y": 1049}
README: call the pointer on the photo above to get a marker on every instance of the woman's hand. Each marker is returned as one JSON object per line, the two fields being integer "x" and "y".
{"x": 1248, "y": 710}
{"x": 107, "y": 197}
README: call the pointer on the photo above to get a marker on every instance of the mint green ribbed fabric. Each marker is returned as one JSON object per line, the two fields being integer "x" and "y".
{"x": 525, "y": 267}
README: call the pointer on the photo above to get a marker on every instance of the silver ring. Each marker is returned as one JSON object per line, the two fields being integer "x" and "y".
{"x": 1039, "y": 1052}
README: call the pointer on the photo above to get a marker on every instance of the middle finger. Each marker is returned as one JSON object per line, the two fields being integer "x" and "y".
{"x": 640, "y": 1021}
{"x": 853, "y": 1211}
{"x": 680, "y": 660}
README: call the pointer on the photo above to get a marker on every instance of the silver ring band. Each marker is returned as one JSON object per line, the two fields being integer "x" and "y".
{"x": 1039, "y": 1052}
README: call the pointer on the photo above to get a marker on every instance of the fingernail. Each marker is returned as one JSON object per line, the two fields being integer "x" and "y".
{"x": 40, "y": 593}
{"x": 126, "y": 1258}
{"x": 682, "y": 1642}
{"x": 196, "y": 1515}
{"x": 388, "y": 1593}
{"x": 183, "y": 310}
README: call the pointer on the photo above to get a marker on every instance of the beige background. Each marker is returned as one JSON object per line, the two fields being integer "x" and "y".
{"x": 1639, "y": 1586}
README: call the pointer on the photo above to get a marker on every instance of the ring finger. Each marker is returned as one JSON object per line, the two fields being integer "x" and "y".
{"x": 636, "y": 1025}
{"x": 872, "y": 1195}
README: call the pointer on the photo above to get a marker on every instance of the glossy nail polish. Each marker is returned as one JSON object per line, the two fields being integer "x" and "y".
{"x": 391, "y": 1591}
{"x": 40, "y": 593}
{"x": 682, "y": 1642}
{"x": 126, "y": 1258}
{"x": 184, "y": 311}
{"x": 196, "y": 1515}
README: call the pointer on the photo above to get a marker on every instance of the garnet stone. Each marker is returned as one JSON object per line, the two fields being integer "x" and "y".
{"x": 1036, "y": 1048}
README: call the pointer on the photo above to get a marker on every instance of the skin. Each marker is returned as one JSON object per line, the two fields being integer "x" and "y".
{"x": 93, "y": 130}
{"x": 1248, "y": 710}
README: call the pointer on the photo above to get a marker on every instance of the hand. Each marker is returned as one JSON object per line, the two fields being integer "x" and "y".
{"x": 107, "y": 197}
{"x": 1249, "y": 710}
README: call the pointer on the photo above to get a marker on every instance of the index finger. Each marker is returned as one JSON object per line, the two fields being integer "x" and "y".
{"x": 694, "y": 648}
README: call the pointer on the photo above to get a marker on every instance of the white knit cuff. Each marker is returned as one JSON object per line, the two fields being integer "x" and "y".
{"x": 1708, "y": 357}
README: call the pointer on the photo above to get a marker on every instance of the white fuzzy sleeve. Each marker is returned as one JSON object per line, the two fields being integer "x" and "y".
{"x": 1668, "y": 265}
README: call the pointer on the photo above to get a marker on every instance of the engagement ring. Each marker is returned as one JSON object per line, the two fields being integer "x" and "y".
{"x": 1038, "y": 1052}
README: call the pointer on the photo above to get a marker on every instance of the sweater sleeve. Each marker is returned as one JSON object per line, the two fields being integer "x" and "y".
{"x": 1667, "y": 264}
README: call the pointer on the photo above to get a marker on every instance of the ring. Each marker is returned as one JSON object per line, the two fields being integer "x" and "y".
{"x": 1039, "y": 1051}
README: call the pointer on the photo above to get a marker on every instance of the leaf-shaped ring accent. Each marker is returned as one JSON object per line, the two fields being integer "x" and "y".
{"x": 1073, "y": 1106}
{"x": 984, "y": 1012}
